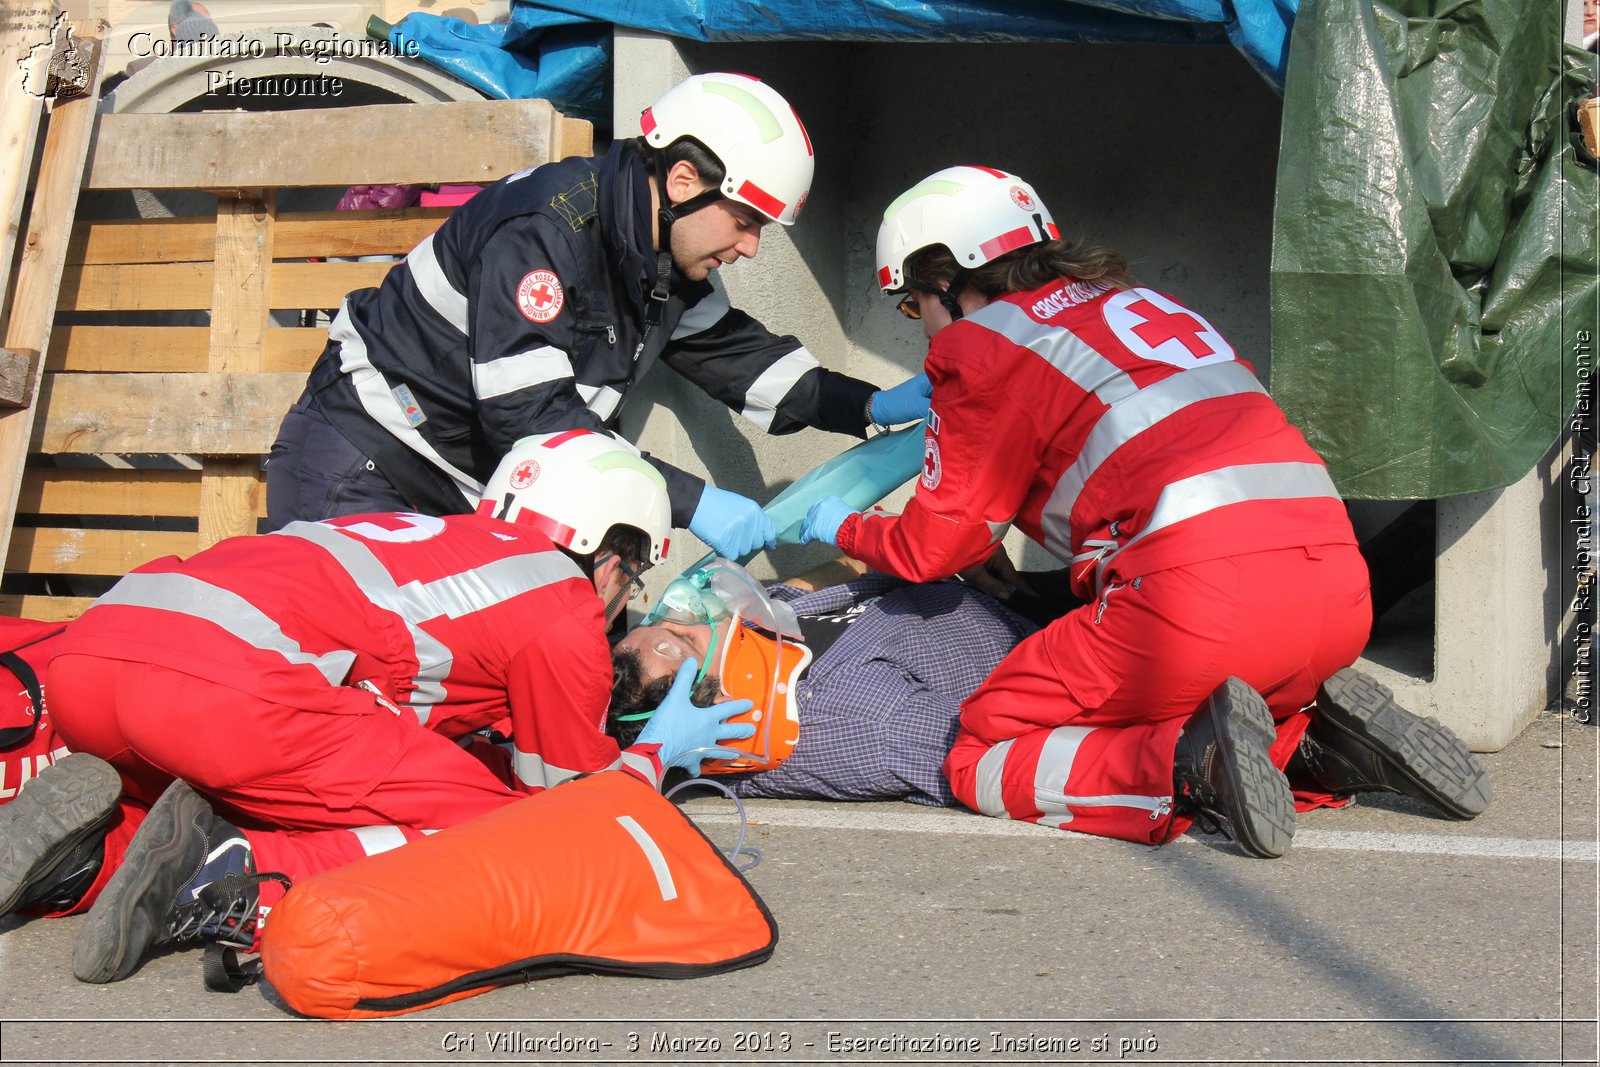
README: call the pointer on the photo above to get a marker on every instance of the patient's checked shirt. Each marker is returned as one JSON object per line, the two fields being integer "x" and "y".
{"x": 459, "y": 623}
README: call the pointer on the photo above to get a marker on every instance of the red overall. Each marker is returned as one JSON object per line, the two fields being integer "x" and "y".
{"x": 1118, "y": 429}
{"x": 324, "y": 685}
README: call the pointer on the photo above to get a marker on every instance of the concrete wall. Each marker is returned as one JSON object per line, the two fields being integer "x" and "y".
{"x": 1166, "y": 153}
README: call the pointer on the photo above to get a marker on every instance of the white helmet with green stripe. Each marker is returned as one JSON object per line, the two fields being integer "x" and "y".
{"x": 764, "y": 150}
{"x": 978, "y": 213}
{"x": 576, "y": 485}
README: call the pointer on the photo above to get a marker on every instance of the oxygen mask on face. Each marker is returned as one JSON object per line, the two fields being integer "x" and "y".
{"x": 710, "y": 593}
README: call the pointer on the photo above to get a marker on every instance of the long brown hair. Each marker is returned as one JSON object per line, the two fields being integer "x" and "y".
{"x": 1025, "y": 269}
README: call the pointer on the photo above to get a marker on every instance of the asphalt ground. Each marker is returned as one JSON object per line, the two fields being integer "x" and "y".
{"x": 908, "y": 934}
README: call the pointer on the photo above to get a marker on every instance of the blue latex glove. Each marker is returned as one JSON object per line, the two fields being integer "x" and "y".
{"x": 906, "y": 402}
{"x": 689, "y": 734}
{"x": 824, "y": 519}
{"x": 733, "y": 525}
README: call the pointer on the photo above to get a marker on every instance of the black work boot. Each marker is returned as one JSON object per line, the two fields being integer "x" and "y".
{"x": 1223, "y": 775}
{"x": 52, "y": 835}
{"x": 1360, "y": 740}
{"x": 188, "y": 875}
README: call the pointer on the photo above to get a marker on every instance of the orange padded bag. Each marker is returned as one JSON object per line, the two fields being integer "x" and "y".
{"x": 599, "y": 875}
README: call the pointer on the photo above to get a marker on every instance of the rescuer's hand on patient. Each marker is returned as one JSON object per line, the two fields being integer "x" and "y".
{"x": 733, "y": 525}
{"x": 996, "y": 576}
{"x": 824, "y": 519}
{"x": 688, "y": 734}
{"x": 906, "y": 402}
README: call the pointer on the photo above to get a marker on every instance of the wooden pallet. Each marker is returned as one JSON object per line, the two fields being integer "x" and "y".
{"x": 214, "y": 395}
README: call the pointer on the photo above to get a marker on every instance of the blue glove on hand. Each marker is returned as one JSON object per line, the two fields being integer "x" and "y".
{"x": 733, "y": 525}
{"x": 688, "y": 734}
{"x": 906, "y": 402}
{"x": 824, "y": 519}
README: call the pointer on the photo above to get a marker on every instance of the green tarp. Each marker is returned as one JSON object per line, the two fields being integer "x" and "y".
{"x": 1434, "y": 241}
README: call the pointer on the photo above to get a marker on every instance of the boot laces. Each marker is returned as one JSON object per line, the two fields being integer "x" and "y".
{"x": 223, "y": 911}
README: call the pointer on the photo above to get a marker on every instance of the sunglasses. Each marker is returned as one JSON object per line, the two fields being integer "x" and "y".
{"x": 908, "y": 306}
{"x": 635, "y": 581}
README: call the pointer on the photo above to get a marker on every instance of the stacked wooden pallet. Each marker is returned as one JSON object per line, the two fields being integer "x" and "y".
{"x": 82, "y": 505}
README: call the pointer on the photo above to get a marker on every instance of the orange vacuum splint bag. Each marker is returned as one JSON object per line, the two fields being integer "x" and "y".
{"x": 599, "y": 875}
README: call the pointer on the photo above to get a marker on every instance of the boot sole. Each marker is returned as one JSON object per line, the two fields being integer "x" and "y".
{"x": 1268, "y": 823}
{"x": 70, "y": 801}
{"x": 1440, "y": 769}
{"x": 117, "y": 931}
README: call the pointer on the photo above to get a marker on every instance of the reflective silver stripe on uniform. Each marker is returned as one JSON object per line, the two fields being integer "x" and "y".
{"x": 1061, "y": 348}
{"x": 703, "y": 315}
{"x": 1056, "y": 757}
{"x": 600, "y": 399}
{"x": 414, "y": 602}
{"x": 376, "y": 839}
{"x": 987, "y": 789}
{"x": 520, "y": 371}
{"x": 188, "y": 595}
{"x": 644, "y": 766}
{"x": 761, "y": 400}
{"x": 1200, "y": 493}
{"x": 435, "y": 287}
{"x": 531, "y": 769}
{"x": 652, "y": 853}
{"x": 1124, "y": 421}
{"x": 377, "y": 398}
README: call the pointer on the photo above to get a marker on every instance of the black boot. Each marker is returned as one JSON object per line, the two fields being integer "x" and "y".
{"x": 1360, "y": 740}
{"x": 52, "y": 835}
{"x": 1223, "y": 775}
{"x": 188, "y": 876}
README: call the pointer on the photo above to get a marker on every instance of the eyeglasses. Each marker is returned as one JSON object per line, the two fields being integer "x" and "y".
{"x": 635, "y": 579}
{"x": 908, "y": 306}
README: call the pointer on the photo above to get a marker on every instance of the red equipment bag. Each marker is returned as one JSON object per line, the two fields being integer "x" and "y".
{"x": 27, "y": 740}
{"x": 601, "y": 875}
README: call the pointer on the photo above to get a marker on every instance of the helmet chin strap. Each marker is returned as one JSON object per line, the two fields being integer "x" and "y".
{"x": 666, "y": 215}
{"x": 949, "y": 298}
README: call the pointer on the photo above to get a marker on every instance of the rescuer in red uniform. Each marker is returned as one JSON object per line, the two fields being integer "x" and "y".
{"x": 1118, "y": 429}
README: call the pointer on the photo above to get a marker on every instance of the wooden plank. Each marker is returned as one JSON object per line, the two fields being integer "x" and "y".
{"x": 488, "y": 139}
{"x": 180, "y": 240}
{"x": 221, "y": 414}
{"x": 19, "y": 376}
{"x": 310, "y": 234}
{"x": 45, "y": 608}
{"x": 44, "y": 250}
{"x": 20, "y": 111}
{"x": 321, "y": 285}
{"x": 172, "y": 348}
{"x": 48, "y": 550}
{"x": 190, "y": 286}
{"x": 52, "y": 491}
{"x": 576, "y": 138}
{"x": 299, "y": 235}
{"x": 230, "y": 489}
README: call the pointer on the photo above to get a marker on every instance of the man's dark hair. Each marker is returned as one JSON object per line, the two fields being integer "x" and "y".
{"x": 632, "y": 693}
{"x": 698, "y": 155}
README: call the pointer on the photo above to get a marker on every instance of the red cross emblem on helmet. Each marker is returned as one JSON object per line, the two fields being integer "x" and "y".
{"x": 539, "y": 297}
{"x": 524, "y": 474}
{"x": 1020, "y": 197}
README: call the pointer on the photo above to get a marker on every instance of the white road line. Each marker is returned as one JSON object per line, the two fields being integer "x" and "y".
{"x": 920, "y": 821}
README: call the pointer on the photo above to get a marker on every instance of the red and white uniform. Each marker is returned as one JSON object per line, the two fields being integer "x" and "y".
{"x": 1118, "y": 429}
{"x": 332, "y": 677}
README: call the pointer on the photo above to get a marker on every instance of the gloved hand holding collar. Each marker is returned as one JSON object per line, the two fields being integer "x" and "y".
{"x": 824, "y": 519}
{"x": 906, "y": 402}
{"x": 688, "y": 734}
{"x": 733, "y": 525}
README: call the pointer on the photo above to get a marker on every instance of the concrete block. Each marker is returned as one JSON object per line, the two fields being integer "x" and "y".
{"x": 1488, "y": 664}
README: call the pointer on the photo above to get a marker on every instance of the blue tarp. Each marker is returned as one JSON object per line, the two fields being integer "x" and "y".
{"x": 560, "y": 50}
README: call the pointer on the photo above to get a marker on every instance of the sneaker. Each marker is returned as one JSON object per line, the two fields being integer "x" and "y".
{"x": 158, "y": 896}
{"x": 52, "y": 835}
{"x": 1223, "y": 777}
{"x": 1360, "y": 740}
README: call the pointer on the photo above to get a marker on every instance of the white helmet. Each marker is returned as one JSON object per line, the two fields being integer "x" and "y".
{"x": 764, "y": 150}
{"x": 575, "y": 485}
{"x": 978, "y": 213}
